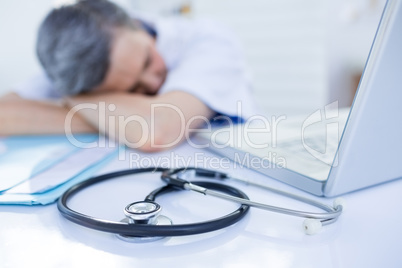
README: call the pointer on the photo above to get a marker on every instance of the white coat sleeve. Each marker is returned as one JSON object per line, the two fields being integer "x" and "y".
{"x": 208, "y": 63}
{"x": 38, "y": 87}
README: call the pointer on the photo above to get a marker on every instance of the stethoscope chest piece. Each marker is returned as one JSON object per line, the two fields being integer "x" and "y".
{"x": 143, "y": 212}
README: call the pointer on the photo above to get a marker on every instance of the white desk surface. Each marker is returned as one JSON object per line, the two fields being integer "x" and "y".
{"x": 368, "y": 234}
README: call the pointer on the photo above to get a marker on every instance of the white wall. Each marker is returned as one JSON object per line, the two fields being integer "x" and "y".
{"x": 284, "y": 46}
{"x": 19, "y": 21}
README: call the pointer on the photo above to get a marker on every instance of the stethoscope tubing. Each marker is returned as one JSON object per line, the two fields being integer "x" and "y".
{"x": 175, "y": 178}
{"x": 148, "y": 230}
{"x": 331, "y": 215}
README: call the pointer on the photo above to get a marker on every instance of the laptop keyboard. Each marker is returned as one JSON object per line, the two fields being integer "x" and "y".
{"x": 326, "y": 149}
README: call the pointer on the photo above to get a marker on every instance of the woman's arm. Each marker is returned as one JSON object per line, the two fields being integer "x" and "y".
{"x": 20, "y": 116}
{"x": 149, "y": 123}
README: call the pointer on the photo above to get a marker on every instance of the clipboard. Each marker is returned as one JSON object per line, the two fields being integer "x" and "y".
{"x": 36, "y": 170}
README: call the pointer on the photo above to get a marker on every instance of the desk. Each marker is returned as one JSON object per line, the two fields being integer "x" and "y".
{"x": 368, "y": 234}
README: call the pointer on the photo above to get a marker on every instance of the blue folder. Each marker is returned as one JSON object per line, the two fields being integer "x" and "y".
{"x": 25, "y": 158}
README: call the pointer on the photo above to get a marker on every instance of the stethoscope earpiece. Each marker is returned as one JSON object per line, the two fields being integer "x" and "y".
{"x": 312, "y": 226}
{"x": 339, "y": 203}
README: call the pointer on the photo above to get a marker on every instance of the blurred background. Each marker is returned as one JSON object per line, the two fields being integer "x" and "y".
{"x": 302, "y": 54}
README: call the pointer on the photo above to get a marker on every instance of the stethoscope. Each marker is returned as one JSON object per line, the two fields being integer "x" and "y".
{"x": 143, "y": 221}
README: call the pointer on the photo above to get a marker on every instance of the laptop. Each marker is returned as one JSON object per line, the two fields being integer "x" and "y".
{"x": 331, "y": 151}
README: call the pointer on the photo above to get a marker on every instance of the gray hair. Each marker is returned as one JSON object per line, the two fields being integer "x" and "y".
{"x": 74, "y": 42}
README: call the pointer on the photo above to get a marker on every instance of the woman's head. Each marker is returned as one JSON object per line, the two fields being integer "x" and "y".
{"x": 95, "y": 45}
